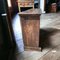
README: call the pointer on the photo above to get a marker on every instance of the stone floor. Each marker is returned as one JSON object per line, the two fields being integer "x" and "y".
{"x": 54, "y": 54}
{"x": 50, "y": 25}
{"x": 50, "y": 38}
{"x": 31, "y": 55}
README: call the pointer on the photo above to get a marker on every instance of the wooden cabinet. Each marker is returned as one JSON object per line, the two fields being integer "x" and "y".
{"x": 30, "y": 22}
{"x": 25, "y": 3}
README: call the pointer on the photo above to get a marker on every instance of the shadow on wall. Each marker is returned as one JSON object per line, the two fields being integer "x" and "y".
{"x": 45, "y": 37}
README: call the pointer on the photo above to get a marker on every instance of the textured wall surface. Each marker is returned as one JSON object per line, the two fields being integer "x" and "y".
{"x": 18, "y": 33}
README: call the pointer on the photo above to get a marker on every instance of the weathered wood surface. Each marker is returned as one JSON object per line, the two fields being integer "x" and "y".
{"x": 31, "y": 11}
{"x": 30, "y": 28}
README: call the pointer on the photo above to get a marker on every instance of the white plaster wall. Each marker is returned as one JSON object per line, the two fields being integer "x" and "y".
{"x": 16, "y": 24}
{"x": 42, "y": 6}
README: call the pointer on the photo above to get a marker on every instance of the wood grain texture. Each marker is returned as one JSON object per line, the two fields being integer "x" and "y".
{"x": 30, "y": 22}
{"x": 30, "y": 29}
{"x": 31, "y": 12}
{"x": 25, "y": 3}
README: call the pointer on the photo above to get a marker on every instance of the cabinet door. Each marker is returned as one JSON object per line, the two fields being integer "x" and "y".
{"x": 30, "y": 30}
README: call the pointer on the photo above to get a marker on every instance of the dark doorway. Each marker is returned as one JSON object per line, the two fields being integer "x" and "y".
{"x": 6, "y": 41}
{"x": 58, "y": 5}
{"x": 48, "y": 5}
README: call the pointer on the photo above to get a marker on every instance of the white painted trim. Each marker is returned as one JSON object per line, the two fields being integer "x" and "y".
{"x": 3, "y": 14}
{"x": 9, "y": 3}
{"x": 42, "y": 6}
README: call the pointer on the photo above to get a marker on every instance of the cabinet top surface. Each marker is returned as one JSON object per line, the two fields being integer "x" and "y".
{"x": 30, "y": 11}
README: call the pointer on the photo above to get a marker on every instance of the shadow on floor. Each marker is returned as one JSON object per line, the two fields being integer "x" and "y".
{"x": 45, "y": 37}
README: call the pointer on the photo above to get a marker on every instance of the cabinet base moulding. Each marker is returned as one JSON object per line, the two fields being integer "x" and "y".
{"x": 32, "y": 48}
